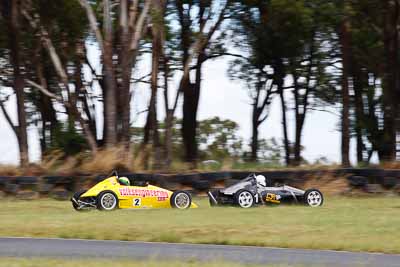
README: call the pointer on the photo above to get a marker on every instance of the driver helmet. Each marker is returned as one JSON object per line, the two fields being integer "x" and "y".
{"x": 261, "y": 180}
{"x": 124, "y": 181}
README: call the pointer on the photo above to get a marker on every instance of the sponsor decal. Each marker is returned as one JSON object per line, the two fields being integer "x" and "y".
{"x": 159, "y": 194}
{"x": 273, "y": 198}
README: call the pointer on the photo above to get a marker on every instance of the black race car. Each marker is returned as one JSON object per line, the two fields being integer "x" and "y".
{"x": 258, "y": 190}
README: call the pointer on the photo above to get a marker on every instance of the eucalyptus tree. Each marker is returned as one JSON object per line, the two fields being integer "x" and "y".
{"x": 253, "y": 67}
{"x": 284, "y": 42}
{"x": 374, "y": 72}
{"x": 12, "y": 22}
{"x": 61, "y": 48}
{"x": 199, "y": 36}
{"x": 118, "y": 35}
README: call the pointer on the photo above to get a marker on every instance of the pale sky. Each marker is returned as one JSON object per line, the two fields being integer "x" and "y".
{"x": 219, "y": 97}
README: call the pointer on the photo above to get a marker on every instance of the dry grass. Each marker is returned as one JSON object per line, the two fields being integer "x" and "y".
{"x": 106, "y": 160}
{"x": 361, "y": 224}
{"x": 10, "y": 170}
{"x": 330, "y": 184}
{"x": 395, "y": 165}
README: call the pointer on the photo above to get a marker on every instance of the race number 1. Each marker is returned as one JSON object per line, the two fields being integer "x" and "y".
{"x": 137, "y": 202}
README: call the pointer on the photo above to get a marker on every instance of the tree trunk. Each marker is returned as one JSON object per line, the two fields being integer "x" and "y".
{"x": 19, "y": 83}
{"x": 110, "y": 100}
{"x": 191, "y": 96}
{"x": 254, "y": 137}
{"x": 299, "y": 125}
{"x": 279, "y": 81}
{"x": 301, "y": 102}
{"x": 284, "y": 125}
{"x": 127, "y": 61}
{"x": 169, "y": 119}
{"x": 359, "y": 82}
{"x": 156, "y": 54}
{"x": 46, "y": 108}
{"x": 391, "y": 79}
{"x": 298, "y": 135}
{"x": 345, "y": 46}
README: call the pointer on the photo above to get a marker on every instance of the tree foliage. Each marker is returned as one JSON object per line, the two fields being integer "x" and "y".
{"x": 306, "y": 55}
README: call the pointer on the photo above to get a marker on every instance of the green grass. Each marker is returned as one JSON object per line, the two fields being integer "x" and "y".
{"x": 353, "y": 224}
{"x": 36, "y": 262}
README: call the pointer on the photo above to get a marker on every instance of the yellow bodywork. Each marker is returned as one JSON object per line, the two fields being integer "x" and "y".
{"x": 134, "y": 197}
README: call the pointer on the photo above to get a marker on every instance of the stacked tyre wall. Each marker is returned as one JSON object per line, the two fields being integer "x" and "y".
{"x": 339, "y": 181}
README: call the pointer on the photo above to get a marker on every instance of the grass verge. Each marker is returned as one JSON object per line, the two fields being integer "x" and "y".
{"x": 360, "y": 224}
{"x": 39, "y": 262}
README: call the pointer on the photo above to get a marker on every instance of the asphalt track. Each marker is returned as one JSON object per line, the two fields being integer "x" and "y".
{"x": 75, "y": 248}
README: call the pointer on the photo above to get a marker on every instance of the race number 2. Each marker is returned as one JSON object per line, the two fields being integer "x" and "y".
{"x": 137, "y": 202}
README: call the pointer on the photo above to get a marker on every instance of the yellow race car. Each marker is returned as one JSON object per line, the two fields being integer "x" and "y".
{"x": 118, "y": 192}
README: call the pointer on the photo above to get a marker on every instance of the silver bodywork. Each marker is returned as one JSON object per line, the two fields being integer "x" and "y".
{"x": 281, "y": 188}
{"x": 236, "y": 187}
{"x": 249, "y": 184}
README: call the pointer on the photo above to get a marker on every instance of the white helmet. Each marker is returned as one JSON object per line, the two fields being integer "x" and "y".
{"x": 261, "y": 180}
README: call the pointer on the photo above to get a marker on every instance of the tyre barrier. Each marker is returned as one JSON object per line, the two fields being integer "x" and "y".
{"x": 390, "y": 182}
{"x": 358, "y": 181}
{"x": 61, "y": 187}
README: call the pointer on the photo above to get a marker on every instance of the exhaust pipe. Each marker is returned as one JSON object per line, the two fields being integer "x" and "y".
{"x": 210, "y": 195}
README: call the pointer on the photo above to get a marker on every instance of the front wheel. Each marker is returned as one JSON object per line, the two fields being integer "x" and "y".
{"x": 181, "y": 200}
{"x": 244, "y": 199}
{"x": 313, "y": 198}
{"x": 75, "y": 199}
{"x": 107, "y": 201}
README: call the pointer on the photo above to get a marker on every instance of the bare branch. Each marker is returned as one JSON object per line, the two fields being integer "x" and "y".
{"x": 176, "y": 100}
{"x": 123, "y": 17}
{"x": 92, "y": 69}
{"x": 139, "y": 29}
{"x": 8, "y": 118}
{"x": 201, "y": 43}
{"x": 217, "y": 24}
{"x": 219, "y": 55}
{"x": 133, "y": 10}
{"x": 107, "y": 22}
{"x": 45, "y": 91}
{"x": 264, "y": 118}
{"x": 93, "y": 23}
{"x": 48, "y": 44}
{"x": 141, "y": 79}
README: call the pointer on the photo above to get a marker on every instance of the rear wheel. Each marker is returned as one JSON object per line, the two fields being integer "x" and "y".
{"x": 244, "y": 199}
{"x": 107, "y": 201}
{"x": 181, "y": 200}
{"x": 313, "y": 198}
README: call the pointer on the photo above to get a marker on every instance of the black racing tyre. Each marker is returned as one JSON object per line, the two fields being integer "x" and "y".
{"x": 107, "y": 201}
{"x": 76, "y": 196}
{"x": 181, "y": 200}
{"x": 244, "y": 199}
{"x": 313, "y": 198}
